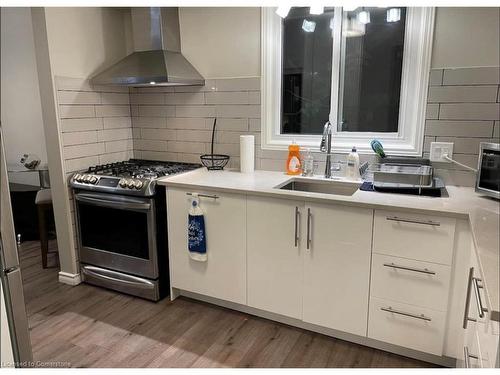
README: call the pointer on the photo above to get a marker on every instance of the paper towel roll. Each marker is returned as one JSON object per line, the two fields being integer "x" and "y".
{"x": 247, "y": 153}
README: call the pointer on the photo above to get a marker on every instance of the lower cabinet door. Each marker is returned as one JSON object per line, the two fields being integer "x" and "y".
{"x": 337, "y": 251}
{"x": 223, "y": 275}
{"x": 406, "y": 325}
{"x": 274, "y": 262}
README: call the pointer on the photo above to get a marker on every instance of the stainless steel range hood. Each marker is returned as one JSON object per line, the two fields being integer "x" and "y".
{"x": 157, "y": 58}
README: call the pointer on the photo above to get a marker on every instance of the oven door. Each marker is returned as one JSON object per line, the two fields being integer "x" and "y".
{"x": 117, "y": 232}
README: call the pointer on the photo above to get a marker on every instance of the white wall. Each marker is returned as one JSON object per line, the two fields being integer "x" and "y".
{"x": 83, "y": 40}
{"x": 466, "y": 37}
{"x": 21, "y": 110}
{"x": 222, "y": 42}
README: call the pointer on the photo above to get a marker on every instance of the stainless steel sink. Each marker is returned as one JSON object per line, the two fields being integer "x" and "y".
{"x": 319, "y": 186}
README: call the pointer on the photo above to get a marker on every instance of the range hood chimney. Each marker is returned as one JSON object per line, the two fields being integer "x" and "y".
{"x": 157, "y": 58}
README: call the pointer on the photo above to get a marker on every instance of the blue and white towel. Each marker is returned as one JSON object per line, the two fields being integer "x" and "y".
{"x": 197, "y": 241}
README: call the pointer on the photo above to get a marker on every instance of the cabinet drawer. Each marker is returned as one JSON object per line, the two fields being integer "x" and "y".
{"x": 414, "y": 236}
{"x": 408, "y": 326}
{"x": 410, "y": 281}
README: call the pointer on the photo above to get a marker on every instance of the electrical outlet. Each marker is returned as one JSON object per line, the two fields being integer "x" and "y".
{"x": 439, "y": 149}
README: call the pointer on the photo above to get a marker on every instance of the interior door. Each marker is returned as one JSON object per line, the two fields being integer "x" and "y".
{"x": 274, "y": 257}
{"x": 10, "y": 273}
{"x": 337, "y": 267}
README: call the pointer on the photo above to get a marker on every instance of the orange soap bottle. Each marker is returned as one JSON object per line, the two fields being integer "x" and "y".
{"x": 293, "y": 163}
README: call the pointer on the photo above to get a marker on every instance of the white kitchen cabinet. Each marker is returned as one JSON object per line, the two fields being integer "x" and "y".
{"x": 223, "y": 275}
{"x": 337, "y": 267}
{"x": 274, "y": 256}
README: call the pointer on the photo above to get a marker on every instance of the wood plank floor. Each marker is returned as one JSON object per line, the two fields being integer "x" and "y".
{"x": 86, "y": 326}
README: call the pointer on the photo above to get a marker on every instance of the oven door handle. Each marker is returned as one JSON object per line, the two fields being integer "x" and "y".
{"x": 116, "y": 277}
{"x": 122, "y": 203}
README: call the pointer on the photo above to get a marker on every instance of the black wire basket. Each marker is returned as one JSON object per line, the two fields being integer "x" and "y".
{"x": 213, "y": 161}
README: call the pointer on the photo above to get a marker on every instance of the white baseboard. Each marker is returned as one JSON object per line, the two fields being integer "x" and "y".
{"x": 69, "y": 278}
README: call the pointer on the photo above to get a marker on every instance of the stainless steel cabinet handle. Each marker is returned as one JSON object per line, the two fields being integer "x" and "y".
{"x": 425, "y": 270}
{"x": 468, "y": 356}
{"x": 309, "y": 239}
{"x": 480, "y": 309}
{"x": 297, "y": 216}
{"x": 417, "y": 316}
{"x": 205, "y": 196}
{"x": 404, "y": 220}
{"x": 467, "y": 300}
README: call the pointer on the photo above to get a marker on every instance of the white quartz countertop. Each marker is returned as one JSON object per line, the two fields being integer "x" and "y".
{"x": 462, "y": 202}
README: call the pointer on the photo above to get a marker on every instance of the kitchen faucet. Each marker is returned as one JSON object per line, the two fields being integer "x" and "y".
{"x": 326, "y": 146}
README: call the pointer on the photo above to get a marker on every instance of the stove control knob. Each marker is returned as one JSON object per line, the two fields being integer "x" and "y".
{"x": 86, "y": 178}
{"x": 93, "y": 180}
{"x": 123, "y": 183}
{"x": 130, "y": 184}
{"x": 76, "y": 177}
{"x": 138, "y": 184}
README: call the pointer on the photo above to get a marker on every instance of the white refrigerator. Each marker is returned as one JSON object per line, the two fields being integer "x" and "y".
{"x": 13, "y": 308}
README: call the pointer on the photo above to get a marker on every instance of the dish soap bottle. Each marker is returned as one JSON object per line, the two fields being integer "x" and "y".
{"x": 293, "y": 164}
{"x": 352, "y": 170}
{"x": 308, "y": 167}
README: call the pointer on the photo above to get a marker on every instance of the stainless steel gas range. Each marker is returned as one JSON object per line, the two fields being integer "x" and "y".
{"x": 122, "y": 228}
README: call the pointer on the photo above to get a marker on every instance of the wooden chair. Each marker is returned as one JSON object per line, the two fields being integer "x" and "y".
{"x": 43, "y": 202}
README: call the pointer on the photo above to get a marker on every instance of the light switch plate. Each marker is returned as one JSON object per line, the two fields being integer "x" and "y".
{"x": 439, "y": 149}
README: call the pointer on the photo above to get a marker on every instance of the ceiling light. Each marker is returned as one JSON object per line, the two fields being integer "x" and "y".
{"x": 315, "y": 9}
{"x": 364, "y": 17}
{"x": 308, "y": 26}
{"x": 393, "y": 14}
{"x": 283, "y": 11}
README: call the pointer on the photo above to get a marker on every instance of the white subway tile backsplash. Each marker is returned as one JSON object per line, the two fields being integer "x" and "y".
{"x": 465, "y": 145}
{"x": 186, "y": 147}
{"x": 195, "y": 111}
{"x": 432, "y": 111}
{"x": 158, "y": 134}
{"x": 472, "y": 76}
{"x": 114, "y": 134}
{"x": 76, "y": 84}
{"x": 159, "y": 155}
{"x": 254, "y": 124}
{"x": 237, "y": 97}
{"x": 186, "y": 123}
{"x": 238, "y": 84}
{"x": 150, "y": 145}
{"x": 156, "y": 111}
{"x": 112, "y": 110}
{"x": 78, "y": 138}
{"x": 188, "y": 158}
{"x": 118, "y": 146}
{"x": 79, "y": 151}
{"x": 72, "y": 165}
{"x": 185, "y": 98}
{"x": 117, "y": 122}
{"x": 149, "y": 122}
{"x": 436, "y": 77}
{"x": 478, "y": 129}
{"x": 194, "y": 135}
{"x": 115, "y": 157}
{"x": 470, "y": 111}
{"x": 234, "y": 124}
{"x": 254, "y": 97}
{"x": 238, "y": 111}
{"x": 115, "y": 98}
{"x": 78, "y": 97}
{"x": 76, "y": 111}
{"x": 149, "y": 98}
{"x": 462, "y": 94}
{"x": 80, "y": 124}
